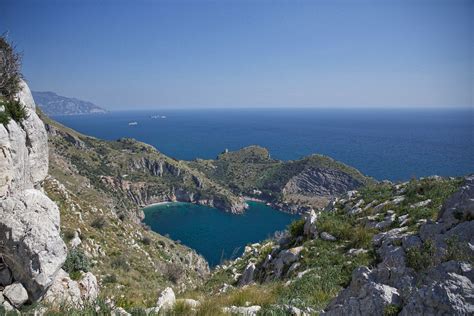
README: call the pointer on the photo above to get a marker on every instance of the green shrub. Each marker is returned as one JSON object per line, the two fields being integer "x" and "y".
{"x": 457, "y": 250}
{"x": 10, "y": 65}
{"x": 75, "y": 275}
{"x": 296, "y": 228}
{"x": 99, "y": 222}
{"x": 112, "y": 278}
{"x": 76, "y": 261}
{"x": 68, "y": 235}
{"x": 174, "y": 272}
{"x": 422, "y": 258}
{"x": 146, "y": 240}
{"x": 11, "y": 110}
{"x": 391, "y": 310}
{"x": 120, "y": 262}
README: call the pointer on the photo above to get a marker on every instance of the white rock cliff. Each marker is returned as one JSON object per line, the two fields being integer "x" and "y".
{"x": 30, "y": 242}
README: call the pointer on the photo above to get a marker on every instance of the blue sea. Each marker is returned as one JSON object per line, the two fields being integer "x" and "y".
{"x": 384, "y": 144}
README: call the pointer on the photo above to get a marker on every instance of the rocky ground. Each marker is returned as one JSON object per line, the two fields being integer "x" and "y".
{"x": 388, "y": 249}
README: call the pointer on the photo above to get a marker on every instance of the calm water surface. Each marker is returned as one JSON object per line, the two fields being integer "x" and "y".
{"x": 385, "y": 144}
{"x": 213, "y": 233}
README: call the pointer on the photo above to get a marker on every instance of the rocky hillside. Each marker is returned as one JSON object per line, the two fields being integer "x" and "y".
{"x": 53, "y": 104}
{"x": 32, "y": 251}
{"x": 133, "y": 173}
{"x": 388, "y": 249}
{"x": 288, "y": 185}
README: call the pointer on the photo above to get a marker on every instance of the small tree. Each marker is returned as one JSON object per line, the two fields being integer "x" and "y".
{"x": 10, "y": 66}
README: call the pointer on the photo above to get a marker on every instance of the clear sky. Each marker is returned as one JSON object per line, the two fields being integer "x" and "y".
{"x": 157, "y": 54}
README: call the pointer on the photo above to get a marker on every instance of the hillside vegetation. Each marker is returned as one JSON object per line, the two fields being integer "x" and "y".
{"x": 312, "y": 180}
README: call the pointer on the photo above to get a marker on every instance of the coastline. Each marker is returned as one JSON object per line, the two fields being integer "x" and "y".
{"x": 158, "y": 203}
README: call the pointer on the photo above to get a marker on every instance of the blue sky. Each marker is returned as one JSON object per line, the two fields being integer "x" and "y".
{"x": 161, "y": 54}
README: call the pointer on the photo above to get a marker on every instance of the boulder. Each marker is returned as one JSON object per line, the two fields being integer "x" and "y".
{"x": 459, "y": 206}
{"x": 191, "y": 303}
{"x": 310, "y": 229}
{"x": 327, "y": 237}
{"x": 363, "y": 297}
{"x": 444, "y": 293}
{"x": 64, "y": 291}
{"x": 16, "y": 294}
{"x": 166, "y": 300}
{"x": 421, "y": 204}
{"x": 388, "y": 220}
{"x": 76, "y": 241}
{"x": 241, "y": 310}
{"x": 89, "y": 287}
{"x": 248, "y": 275}
{"x": 29, "y": 231}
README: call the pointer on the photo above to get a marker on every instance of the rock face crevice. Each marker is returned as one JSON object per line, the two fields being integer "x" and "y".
{"x": 30, "y": 242}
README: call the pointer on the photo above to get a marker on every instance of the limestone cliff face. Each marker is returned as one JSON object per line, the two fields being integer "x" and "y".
{"x": 30, "y": 244}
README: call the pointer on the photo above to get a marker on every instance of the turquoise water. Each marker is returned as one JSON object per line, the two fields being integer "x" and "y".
{"x": 213, "y": 233}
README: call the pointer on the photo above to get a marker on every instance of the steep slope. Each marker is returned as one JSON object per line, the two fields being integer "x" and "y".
{"x": 289, "y": 185}
{"x": 32, "y": 252}
{"x": 53, "y": 104}
{"x": 386, "y": 249}
{"x": 134, "y": 173}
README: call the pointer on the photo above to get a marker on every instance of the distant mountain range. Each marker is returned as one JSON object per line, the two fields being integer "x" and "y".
{"x": 53, "y": 104}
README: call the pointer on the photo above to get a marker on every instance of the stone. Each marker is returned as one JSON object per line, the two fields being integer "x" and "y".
{"x": 444, "y": 293}
{"x": 166, "y": 300}
{"x": 355, "y": 210}
{"x": 89, "y": 287}
{"x": 225, "y": 288}
{"x": 379, "y": 207}
{"x": 64, "y": 290}
{"x": 398, "y": 199}
{"x": 16, "y": 294}
{"x": 29, "y": 230}
{"x": 248, "y": 275}
{"x": 310, "y": 229}
{"x": 328, "y": 237}
{"x": 460, "y": 205}
{"x": 356, "y": 252}
{"x": 191, "y": 303}
{"x": 76, "y": 241}
{"x": 421, "y": 204}
{"x": 243, "y": 310}
{"x": 8, "y": 307}
{"x": 389, "y": 219}
{"x": 294, "y": 311}
{"x": 119, "y": 311}
{"x": 351, "y": 194}
{"x": 363, "y": 297}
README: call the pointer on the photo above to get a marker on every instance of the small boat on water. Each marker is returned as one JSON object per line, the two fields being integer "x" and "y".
{"x": 134, "y": 123}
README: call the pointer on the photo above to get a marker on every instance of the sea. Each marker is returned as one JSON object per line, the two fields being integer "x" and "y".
{"x": 393, "y": 144}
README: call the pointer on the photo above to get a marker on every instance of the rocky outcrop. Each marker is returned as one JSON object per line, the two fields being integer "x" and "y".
{"x": 321, "y": 182}
{"x": 143, "y": 193}
{"x": 65, "y": 291}
{"x": 429, "y": 273}
{"x": 30, "y": 243}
